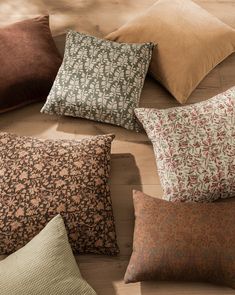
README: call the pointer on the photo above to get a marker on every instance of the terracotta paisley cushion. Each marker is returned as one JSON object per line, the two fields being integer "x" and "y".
{"x": 194, "y": 148}
{"x": 183, "y": 241}
{"x": 41, "y": 178}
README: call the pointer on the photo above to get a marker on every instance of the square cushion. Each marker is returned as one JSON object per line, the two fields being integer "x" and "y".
{"x": 41, "y": 178}
{"x": 44, "y": 266}
{"x": 190, "y": 43}
{"x": 194, "y": 148}
{"x": 182, "y": 241}
{"x": 100, "y": 80}
{"x": 29, "y": 62}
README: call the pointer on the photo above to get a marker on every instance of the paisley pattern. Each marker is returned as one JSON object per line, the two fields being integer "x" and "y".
{"x": 100, "y": 80}
{"x": 41, "y": 178}
{"x": 194, "y": 148}
{"x": 183, "y": 241}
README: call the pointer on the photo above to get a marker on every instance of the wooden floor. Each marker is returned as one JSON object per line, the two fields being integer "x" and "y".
{"x": 133, "y": 164}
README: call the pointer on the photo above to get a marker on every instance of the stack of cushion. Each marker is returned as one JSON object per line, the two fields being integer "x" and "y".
{"x": 102, "y": 80}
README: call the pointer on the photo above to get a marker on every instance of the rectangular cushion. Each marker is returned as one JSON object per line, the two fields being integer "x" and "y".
{"x": 40, "y": 178}
{"x": 182, "y": 241}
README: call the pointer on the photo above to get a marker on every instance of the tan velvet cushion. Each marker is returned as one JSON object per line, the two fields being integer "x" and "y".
{"x": 45, "y": 266}
{"x": 29, "y": 61}
{"x": 191, "y": 42}
{"x": 182, "y": 241}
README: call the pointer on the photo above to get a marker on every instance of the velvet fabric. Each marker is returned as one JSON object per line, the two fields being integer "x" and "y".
{"x": 29, "y": 62}
{"x": 190, "y": 43}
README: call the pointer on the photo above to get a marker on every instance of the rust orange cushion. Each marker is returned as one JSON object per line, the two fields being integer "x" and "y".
{"x": 183, "y": 241}
{"x": 190, "y": 43}
{"x": 29, "y": 62}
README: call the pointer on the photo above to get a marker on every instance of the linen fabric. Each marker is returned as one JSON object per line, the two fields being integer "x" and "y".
{"x": 182, "y": 241}
{"x": 29, "y": 62}
{"x": 44, "y": 266}
{"x": 194, "y": 148}
{"x": 100, "y": 80}
{"x": 190, "y": 43}
{"x": 41, "y": 178}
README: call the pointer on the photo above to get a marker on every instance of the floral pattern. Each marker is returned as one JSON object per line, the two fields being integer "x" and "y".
{"x": 195, "y": 148}
{"x": 182, "y": 241}
{"x": 100, "y": 80}
{"x": 41, "y": 178}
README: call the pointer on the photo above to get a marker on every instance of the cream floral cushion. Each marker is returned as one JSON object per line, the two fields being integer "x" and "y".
{"x": 194, "y": 148}
{"x": 100, "y": 80}
{"x": 45, "y": 266}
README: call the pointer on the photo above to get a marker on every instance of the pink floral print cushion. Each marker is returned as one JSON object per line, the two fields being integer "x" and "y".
{"x": 194, "y": 148}
{"x": 41, "y": 178}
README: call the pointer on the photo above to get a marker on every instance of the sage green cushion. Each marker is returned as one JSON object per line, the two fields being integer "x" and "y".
{"x": 100, "y": 80}
{"x": 45, "y": 266}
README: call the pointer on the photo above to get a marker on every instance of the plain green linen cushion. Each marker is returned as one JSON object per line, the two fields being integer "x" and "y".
{"x": 100, "y": 80}
{"x": 44, "y": 266}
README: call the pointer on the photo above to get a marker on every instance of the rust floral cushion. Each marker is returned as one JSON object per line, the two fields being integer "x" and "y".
{"x": 194, "y": 148}
{"x": 41, "y": 178}
{"x": 183, "y": 241}
{"x": 29, "y": 62}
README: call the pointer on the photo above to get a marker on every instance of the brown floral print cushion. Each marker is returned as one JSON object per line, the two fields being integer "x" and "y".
{"x": 195, "y": 148}
{"x": 183, "y": 241}
{"x": 41, "y": 178}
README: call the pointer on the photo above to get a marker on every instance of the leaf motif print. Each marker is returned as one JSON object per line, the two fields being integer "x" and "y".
{"x": 194, "y": 148}
{"x": 100, "y": 80}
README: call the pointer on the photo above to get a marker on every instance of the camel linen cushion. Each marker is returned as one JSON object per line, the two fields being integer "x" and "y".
{"x": 194, "y": 148}
{"x": 182, "y": 241}
{"x": 44, "y": 266}
{"x": 190, "y": 43}
{"x": 100, "y": 80}
{"x": 40, "y": 178}
{"x": 29, "y": 62}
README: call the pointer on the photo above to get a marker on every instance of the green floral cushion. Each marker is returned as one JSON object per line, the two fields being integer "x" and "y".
{"x": 100, "y": 80}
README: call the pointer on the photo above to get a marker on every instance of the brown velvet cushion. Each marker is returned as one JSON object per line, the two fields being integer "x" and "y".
{"x": 183, "y": 241}
{"x": 41, "y": 178}
{"x": 29, "y": 62}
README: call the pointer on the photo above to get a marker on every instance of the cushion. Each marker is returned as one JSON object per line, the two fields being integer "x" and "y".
{"x": 44, "y": 266}
{"x": 29, "y": 62}
{"x": 99, "y": 80}
{"x": 182, "y": 241}
{"x": 41, "y": 178}
{"x": 194, "y": 148}
{"x": 190, "y": 43}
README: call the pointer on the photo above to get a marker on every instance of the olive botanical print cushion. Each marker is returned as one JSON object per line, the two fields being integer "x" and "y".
{"x": 195, "y": 148}
{"x": 100, "y": 80}
{"x": 182, "y": 241}
{"x": 41, "y": 178}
